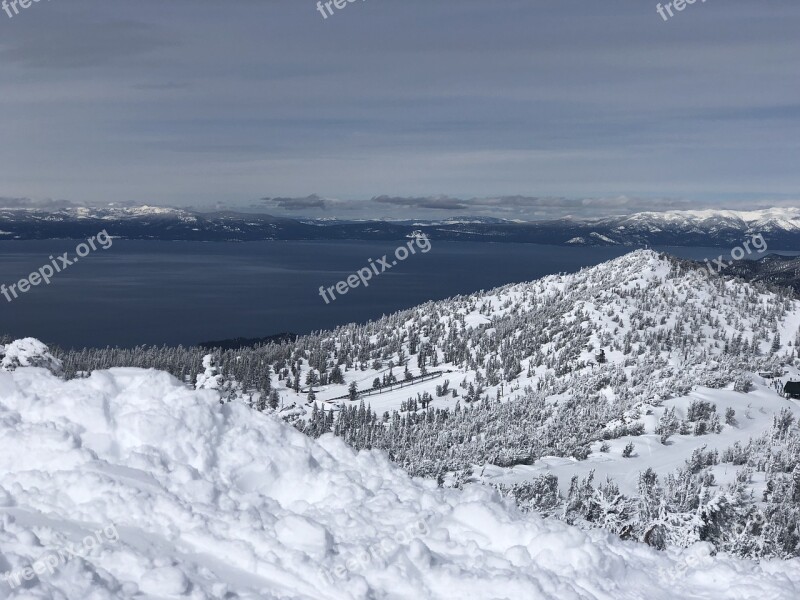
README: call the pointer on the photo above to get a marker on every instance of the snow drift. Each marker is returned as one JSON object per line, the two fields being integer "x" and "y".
{"x": 28, "y": 352}
{"x": 218, "y": 501}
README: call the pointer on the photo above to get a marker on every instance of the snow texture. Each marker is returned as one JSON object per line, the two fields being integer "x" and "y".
{"x": 219, "y": 501}
{"x": 27, "y": 352}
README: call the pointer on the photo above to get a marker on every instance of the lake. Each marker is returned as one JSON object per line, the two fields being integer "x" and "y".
{"x": 141, "y": 292}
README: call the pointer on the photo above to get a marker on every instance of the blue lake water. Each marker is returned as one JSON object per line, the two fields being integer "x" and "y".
{"x": 140, "y": 292}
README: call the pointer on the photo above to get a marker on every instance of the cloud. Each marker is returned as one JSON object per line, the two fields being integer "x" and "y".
{"x": 43, "y": 204}
{"x": 161, "y": 87}
{"x": 510, "y": 207}
{"x": 521, "y": 207}
{"x": 433, "y": 203}
{"x": 297, "y": 204}
{"x": 532, "y": 207}
{"x": 82, "y": 44}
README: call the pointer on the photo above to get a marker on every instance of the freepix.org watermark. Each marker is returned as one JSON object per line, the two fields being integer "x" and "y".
{"x": 56, "y": 265}
{"x": 51, "y": 561}
{"x": 757, "y": 241}
{"x": 667, "y": 11}
{"x": 378, "y": 267}
{"x": 326, "y": 8}
{"x": 376, "y": 554}
{"x": 15, "y": 5}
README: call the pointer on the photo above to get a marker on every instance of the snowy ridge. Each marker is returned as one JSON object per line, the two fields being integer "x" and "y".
{"x": 218, "y": 501}
{"x": 642, "y": 297}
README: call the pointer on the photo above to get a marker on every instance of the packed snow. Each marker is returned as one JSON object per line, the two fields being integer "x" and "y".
{"x": 183, "y": 497}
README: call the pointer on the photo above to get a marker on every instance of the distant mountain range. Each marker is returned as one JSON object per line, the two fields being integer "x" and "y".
{"x": 724, "y": 228}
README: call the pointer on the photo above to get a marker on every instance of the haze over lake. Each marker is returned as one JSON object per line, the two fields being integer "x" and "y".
{"x": 140, "y": 292}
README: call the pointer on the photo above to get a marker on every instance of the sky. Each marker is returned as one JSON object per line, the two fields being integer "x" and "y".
{"x": 523, "y": 109}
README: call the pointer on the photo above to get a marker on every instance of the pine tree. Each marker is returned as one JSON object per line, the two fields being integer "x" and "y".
{"x": 627, "y": 452}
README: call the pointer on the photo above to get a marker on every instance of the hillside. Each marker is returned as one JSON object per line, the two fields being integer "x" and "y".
{"x": 151, "y": 490}
{"x": 644, "y": 362}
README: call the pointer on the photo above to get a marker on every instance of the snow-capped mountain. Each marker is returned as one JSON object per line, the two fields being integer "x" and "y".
{"x": 126, "y": 484}
{"x": 766, "y": 220}
{"x": 780, "y": 227}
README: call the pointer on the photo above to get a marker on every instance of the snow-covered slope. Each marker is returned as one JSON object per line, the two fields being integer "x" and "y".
{"x": 184, "y": 498}
{"x": 666, "y": 324}
{"x": 533, "y": 401}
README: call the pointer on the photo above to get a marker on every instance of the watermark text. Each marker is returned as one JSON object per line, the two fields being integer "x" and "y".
{"x": 49, "y": 562}
{"x": 375, "y": 268}
{"x": 667, "y": 11}
{"x": 57, "y": 265}
{"x": 757, "y": 241}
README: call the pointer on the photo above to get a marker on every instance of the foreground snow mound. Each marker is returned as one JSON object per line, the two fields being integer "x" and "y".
{"x": 128, "y": 485}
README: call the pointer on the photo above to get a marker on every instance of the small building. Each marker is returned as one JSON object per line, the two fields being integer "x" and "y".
{"x": 792, "y": 390}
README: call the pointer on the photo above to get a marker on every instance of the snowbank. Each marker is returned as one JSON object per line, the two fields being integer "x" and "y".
{"x": 209, "y": 501}
{"x": 27, "y": 352}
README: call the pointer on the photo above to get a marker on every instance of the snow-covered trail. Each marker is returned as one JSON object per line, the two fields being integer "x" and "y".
{"x": 215, "y": 501}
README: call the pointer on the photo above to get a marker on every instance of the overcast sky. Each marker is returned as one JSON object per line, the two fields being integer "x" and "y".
{"x": 538, "y": 107}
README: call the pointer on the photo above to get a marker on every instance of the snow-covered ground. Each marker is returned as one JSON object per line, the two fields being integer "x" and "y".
{"x": 168, "y": 494}
{"x": 642, "y": 292}
{"x": 754, "y": 415}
